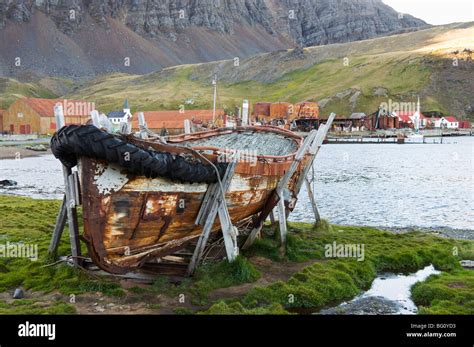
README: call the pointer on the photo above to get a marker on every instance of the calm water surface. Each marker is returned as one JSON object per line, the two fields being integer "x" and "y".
{"x": 424, "y": 185}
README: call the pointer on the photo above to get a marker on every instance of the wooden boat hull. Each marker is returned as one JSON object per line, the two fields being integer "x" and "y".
{"x": 130, "y": 220}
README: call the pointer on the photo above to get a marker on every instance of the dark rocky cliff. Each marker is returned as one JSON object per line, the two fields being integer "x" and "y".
{"x": 169, "y": 32}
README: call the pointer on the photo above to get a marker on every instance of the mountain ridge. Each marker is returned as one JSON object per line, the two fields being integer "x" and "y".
{"x": 86, "y": 38}
{"x": 399, "y": 68}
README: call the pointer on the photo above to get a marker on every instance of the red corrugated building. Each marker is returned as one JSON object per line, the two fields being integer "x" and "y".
{"x": 307, "y": 109}
{"x": 281, "y": 110}
{"x": 173, "y": 121}
{"x": 261, "y": 109}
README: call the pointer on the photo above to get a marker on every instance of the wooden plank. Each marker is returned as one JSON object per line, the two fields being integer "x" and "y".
{"x": 95, "y": 118}
{"x": 282, "y": 184}
{"x": 252, "y": 236}
{"x": 208, "y": 213}
{"x": 272, "y": 217}
{"x": 58, "y": 228}
{"x": 283, "y": 226}
{"x": 206, "y": 205}
{"x": 313, "y": 151}
{"x": 294, "y": 165}
{"x": 70, "y": 201}
{"x": 202, "y": 241}
{"x": 142, "y": 126}
{"x": 229, "y": 232}
{"x": 317, "y": 217}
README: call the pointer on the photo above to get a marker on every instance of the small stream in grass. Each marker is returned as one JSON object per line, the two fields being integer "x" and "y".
{"x": 389, "y": 294}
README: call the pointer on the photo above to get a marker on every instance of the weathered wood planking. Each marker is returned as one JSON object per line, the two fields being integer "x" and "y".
{"x": 128, "y": 220}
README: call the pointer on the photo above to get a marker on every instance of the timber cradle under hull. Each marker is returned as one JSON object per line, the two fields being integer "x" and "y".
{"x": 130, "y": 220}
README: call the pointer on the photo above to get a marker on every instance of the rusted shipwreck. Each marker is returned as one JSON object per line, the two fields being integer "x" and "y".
{"x": 149, "y": 201}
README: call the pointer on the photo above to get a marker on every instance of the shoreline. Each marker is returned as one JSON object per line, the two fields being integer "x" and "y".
{"x": 19, "y": 151}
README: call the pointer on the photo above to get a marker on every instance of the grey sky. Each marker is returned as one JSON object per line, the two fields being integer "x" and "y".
{"x": 436, "y": 11}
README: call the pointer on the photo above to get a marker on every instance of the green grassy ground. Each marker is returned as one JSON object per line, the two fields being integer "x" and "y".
{"x": 447, "y": 293}
{"x": 330, "y": 281}
{"x": 324, "y": 282}
{"x": 11, "y": 89}
{"x": 31, "y": 222}
{"x": 401, "y": 74}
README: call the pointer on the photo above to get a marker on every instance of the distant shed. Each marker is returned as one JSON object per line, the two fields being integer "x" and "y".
{"x": 261, "y": 109}
{"x": 281, "y": 110}
{"x": 307, "y": 109}
{"x": 36, "y": 116}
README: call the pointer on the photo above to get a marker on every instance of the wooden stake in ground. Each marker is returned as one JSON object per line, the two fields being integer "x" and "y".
{"x": 70, "y": 201}
{"x": 213, "y": 204}
{"x": 309, "y": 189}
{"x": 58, "y": 228}
{"x": 311, "y": 145}
{"x": 282, "y": 185}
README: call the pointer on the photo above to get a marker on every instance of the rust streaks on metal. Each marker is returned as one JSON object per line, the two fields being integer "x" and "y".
{"x": 131, "y": 220}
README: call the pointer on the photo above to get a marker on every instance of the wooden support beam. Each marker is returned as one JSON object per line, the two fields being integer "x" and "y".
{"x": 213, "y": 204}
{"x": 282, "y": 185}
{"x": 272, "y": 217}
{"x": 313, "y": 151}
{"x": 313, "y": 141}
{"x": 229, "y": 232}
{"x": 253, "y": 235}
{"x": 71, "y": 198}
{"x": 142, "y": 126}
{"x": 283, "y": 226}
{"x": 207, "y": 203}
{"x": 95, "y": 118}
{"x": 58, "y": 228}
{"x": 187, "y": 126}
{"x": 317, "y": 217}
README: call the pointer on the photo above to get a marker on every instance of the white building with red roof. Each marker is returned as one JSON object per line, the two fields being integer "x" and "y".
{"x": 435, "y": 122}
{"x": 449, "y": 123}
{"x": 414, "y": 119}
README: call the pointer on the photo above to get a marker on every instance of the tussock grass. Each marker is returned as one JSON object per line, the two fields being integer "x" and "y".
{"x": 325, "y": 282}
{"x": 446, "y": 293}
{"x": 332, "y": 280}
{"x": 24, "y": 306}
{"x": 207, "y": 278}
{"x": 31, "y": 222}
{"x": 235, "y": 308}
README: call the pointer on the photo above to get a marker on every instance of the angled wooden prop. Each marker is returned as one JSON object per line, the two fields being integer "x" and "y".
{"x": 68, "y": 207}
{"x": 213, "y": 204}
{"x": 311, "y": 145}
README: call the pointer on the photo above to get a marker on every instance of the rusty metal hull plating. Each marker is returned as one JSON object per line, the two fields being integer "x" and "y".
{"x": 130, "y": 220}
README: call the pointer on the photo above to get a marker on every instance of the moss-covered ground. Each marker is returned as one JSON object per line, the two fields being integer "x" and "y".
{"x": 319, "y": 281}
